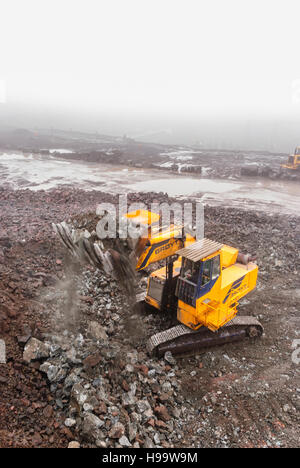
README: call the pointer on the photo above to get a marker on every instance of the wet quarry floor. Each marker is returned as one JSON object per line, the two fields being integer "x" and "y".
{"x": 38, "y": 172}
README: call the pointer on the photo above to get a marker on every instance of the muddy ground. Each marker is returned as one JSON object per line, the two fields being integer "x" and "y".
{"x": 114, "y": 150}
{"x": 96, "y": 385}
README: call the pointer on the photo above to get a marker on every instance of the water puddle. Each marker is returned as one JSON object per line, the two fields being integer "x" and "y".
{"x": 184, "y": 186}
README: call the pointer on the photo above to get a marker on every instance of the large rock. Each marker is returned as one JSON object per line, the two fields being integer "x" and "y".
{"x": 55, "y": 373}
{"x": 74, "y": 444}
{"x": 169, "y": 358}
{"x": 35, "y": 350}
{"x": 73, "y": 378}
{"x": 162, "y": 412}
{"x": 143, "y": 405}
{"x": 91, "y": 427}
{"x": 79, "y": 394}
{"x": 132, "y": 430}
{"x": 128, "y": 399}
{"x": 124, "y": 441}
{"x": 92, "y": 360}
{"x": 70, "y": 422}
{"x": 117, "y": 431}
{"x": 144, "y": 409}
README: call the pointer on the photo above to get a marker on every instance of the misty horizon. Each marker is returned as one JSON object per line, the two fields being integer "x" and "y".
{"x": 274, "y": 135}
{"x": 215, "y": 75}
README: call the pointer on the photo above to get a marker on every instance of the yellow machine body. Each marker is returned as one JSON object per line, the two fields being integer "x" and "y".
{"x": 156, "y": 283}
{"x": 157, "y": 243}
{"x": 162, "y": 245}
{"x": 293, "y": 162}
{"x": 207, "y": 287}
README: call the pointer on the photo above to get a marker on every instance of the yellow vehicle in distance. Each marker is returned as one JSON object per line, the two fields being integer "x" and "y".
{"x": 293, "y": 162}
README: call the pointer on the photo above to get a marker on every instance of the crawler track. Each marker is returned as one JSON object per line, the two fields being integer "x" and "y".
{"x": 182, "y": 340}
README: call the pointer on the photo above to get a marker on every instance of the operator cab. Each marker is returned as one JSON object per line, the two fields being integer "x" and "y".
{"x": 202, "y": 272}
{"x": 198, "y": 273}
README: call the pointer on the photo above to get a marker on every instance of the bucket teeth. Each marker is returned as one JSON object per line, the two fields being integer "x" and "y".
{"x": 81, "y": 244}
{"x": 64, "y": 234}
{"x": 89, "y": 250}
{"x": 104, "y": 259}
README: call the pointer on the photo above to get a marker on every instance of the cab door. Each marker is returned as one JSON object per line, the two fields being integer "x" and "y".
{"x": 210, "y": 272}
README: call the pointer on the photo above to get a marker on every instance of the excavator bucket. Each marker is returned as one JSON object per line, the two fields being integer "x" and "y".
{"x": 120, "y": 257}
{"x": 87, "y": 249}
{"x": 116, "y": 257}
{"x": 79, "y": 244}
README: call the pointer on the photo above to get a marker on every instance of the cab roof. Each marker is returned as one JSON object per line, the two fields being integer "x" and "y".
{"x": 200, "y": 249}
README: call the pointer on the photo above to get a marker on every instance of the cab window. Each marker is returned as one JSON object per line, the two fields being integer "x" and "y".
{"x": 206, "y": 272}
{"x": 211, "y": 270}
{"x": 215, "y": 267}
{"x": 190, "y": 271}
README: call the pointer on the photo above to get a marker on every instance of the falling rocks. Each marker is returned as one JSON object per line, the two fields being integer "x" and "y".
{"x": 35, "y": 350}
{"x": 250, "y": 170}
{"x": 95, "y": 330}
{"x": 2, "y": 352}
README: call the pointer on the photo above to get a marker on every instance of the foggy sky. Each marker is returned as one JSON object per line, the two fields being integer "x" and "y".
{"x": 141, "y": 67}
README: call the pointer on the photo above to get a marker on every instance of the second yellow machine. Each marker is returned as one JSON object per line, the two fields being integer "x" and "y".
{"x": 293, "y": 162}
